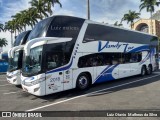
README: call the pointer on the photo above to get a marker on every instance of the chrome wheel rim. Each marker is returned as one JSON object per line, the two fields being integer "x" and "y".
{"x": 143, "y": 71}
{"x": 83, "y": 82}
{"x": 149, "y": 70}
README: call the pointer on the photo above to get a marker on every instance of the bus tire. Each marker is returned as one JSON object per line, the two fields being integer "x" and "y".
{"x": 82, "y": 81}
{"x": 143, "y": 71}
{"x": 149, "y": 70}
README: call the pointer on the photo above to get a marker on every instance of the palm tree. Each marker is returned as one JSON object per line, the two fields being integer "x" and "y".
{"x": 150, "y": 6}
{"x": 9, "y": 27}
{"x": 118, "y": 24}
{"x": 18, "y": 22}
{"x": 51, "y": 3}
{"x": 54, "y": 2}
{"x": 3, "y": 42}
{"x": 40, "y": 6}
{"x": 32, "y": 16}
{"x": 130, "y": 17}
{"x": 1, "y": 27}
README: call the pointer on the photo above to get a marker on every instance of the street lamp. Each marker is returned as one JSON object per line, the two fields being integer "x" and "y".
{"x": 88, "y": 9}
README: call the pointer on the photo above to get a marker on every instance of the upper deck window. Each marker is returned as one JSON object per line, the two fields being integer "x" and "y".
{"x": 64, "y": 26}
{"x": 96, "y": 32}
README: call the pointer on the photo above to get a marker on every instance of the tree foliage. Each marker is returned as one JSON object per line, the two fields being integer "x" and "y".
{"x": 39, "y": 10}
{"x": 3, "y": 42}
{"x": 130, "y": 17}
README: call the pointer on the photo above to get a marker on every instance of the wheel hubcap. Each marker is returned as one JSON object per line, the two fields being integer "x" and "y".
{"x": 149, "y": 70}
{"x": 143, "y": 72}
{"x": 83, "y": 81}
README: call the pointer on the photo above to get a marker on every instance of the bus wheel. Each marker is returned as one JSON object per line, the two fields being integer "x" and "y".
{"x": 143, "y": 71}
{"x": 82, "y": 81}
{"x": 149, "y": 70}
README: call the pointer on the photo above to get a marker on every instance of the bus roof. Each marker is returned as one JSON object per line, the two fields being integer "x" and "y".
{"x": 109, "y": 25}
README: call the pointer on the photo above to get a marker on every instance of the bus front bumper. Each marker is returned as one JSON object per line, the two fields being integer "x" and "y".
{"x": 13, "y": 79}
{"x": 38, "y": 89}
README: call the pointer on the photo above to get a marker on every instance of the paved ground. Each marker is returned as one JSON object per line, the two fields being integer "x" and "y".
{"x": 139, "y": 93}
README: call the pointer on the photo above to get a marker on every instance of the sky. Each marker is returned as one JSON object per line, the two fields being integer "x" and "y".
{"x": 107, "y": 11}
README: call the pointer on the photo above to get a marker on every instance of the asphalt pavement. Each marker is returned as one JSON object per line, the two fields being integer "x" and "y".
{"x": 133, "y": 93}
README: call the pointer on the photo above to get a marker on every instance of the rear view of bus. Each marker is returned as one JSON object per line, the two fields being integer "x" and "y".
{"x": 15, "y": 55}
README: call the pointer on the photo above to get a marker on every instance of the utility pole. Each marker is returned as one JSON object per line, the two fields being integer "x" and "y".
{"x": 88, "y": 9}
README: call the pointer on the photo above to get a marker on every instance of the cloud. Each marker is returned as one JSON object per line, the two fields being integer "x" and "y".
{"x": 108, "y": 11}
{"x": 10, "y": 8}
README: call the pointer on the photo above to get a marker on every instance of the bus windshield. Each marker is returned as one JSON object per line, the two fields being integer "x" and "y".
{"x": 32, "y": 63}
{"x": 13, "y": 62}
{"x": 39, "y": 29}
{"x": 19, "y": 39}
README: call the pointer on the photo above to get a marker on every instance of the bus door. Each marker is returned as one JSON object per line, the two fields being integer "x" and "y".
{"x": 55, "y": 72}
{"x": 54, "y": 82}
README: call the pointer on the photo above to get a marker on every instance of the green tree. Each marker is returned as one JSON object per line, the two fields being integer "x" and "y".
{"x": 3, "y": 42}
{"x": 32, "y": 17}
{"x": 18, "y": 22}
{"x": 150, "y": 7}
{"x": 118, "y": 24}
{"x": 51, "y": 3}
{"x": 40, "y": 6}
{"x": 9, "y": 27}
{"x": 38, "y": 10}
{"x": 130, "y": 17}
{"x": 1, "y": 27}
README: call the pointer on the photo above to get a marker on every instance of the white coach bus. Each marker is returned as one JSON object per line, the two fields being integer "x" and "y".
{"x": 15, "y": 56}
{"x": 68, "y": 52}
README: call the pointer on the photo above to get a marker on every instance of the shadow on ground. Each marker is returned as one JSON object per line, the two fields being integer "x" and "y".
{"x": 99, "y": 87}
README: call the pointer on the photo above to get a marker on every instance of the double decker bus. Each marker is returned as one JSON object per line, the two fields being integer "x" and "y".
{"x": 15, "y": 55}
{"x": 67, "y": 52}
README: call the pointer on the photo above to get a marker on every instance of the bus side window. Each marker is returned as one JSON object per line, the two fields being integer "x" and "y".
{"x": 115, "y": 58}
{"x": 81, "y": 62}
{"x": 127, "y": 57}
{"x": 134, "y": 58}
{"x": 139, "y": 57}
{"x": 86, "y": 61}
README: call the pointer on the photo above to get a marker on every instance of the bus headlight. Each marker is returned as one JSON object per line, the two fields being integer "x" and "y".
{"x": 16, "y": 74}
{"x": 11, "y": 76}
{"x": 34, "y": 82}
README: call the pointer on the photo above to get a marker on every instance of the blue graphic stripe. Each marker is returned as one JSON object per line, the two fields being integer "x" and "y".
{"x": 145, "y": 59}
{"x": 139, "y": 49}
{"x": 149, "y": 56}
{"x": 103, "y": 72}
{"x": 152, "y": 54}
{"x": 106, "y": 75}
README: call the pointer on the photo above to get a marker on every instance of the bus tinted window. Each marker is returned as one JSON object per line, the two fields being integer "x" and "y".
{"x": 57, "y": 55}
{"x": 26, "y": 37}
{"x": 40, "y": 29}
{"x": 97, "y": 32}
{"x": 19, "y": 39}
{"x": 102, "y": 59}
{"x": 65, "y": 27}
